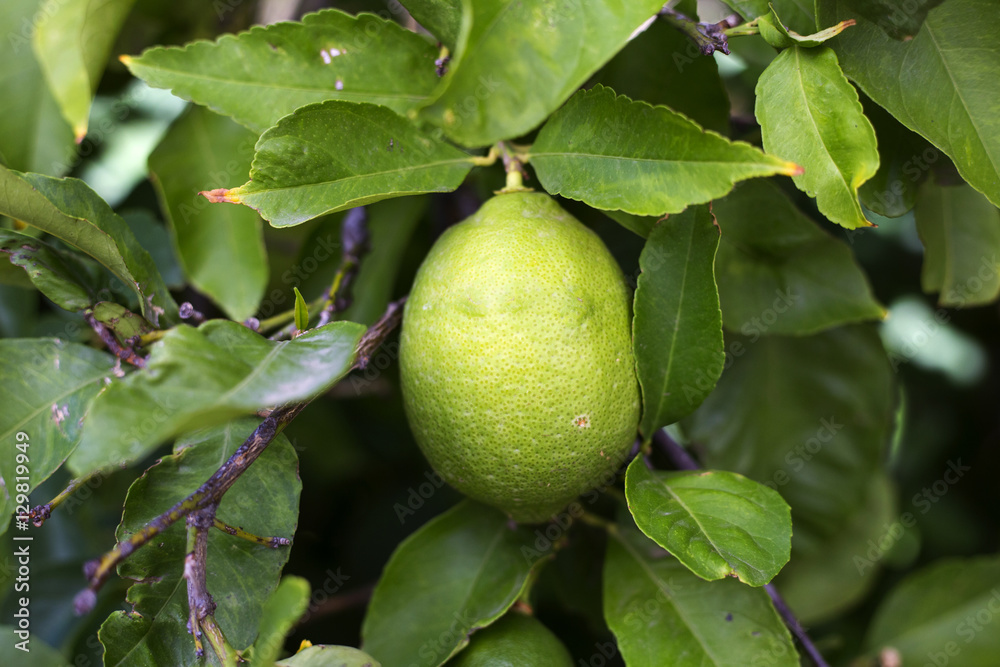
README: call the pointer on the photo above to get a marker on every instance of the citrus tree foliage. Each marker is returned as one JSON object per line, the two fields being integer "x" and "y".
{"x": 198, "y": 297}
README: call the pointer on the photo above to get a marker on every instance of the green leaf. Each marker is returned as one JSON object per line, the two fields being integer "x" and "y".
{"x": 809, "y": 112}
{"x": 662, "y": 614}
{"x": 780, "y": 273}
{"x": 460, "y": 571}
{"x": 677, "y": 330}
{"x": 441, "y": 18}
{"x": 836, "y": 395}
{"x": 202, "y": 377}
{"x": 39, "y": 140}
{"x": 777, "y": 35}
{"x": 518, "y": 60}
{"x": 220, "y": 247}
{"x": 960, "y": 229}
{"x": 940, "y": 84}
{"x": 260, "y": 75}
{"x": 301, "y": 311}
{"x": 46, "y": 387}
{"x": 329, "y": 656}
{"x": 613, "y": 153}
{"x": 900, "y": 19}
{"x": 278, "y": 617}
{"x": 826, "y": 577}
{"x": 663, "y": 66}
{"x": 242, "y": 575}
{"x": 718, "y": 524}
{"x": 379, "y": 155}
{"x": 123, "y": 323}
{"x": 942, "y": 611}
{"x": 72, "y": 43}
{"x": 58, "y": 275}
{"x": 75, "y": 214}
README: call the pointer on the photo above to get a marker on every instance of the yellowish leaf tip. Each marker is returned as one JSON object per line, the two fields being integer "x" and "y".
{"x": 125, "y": 59}
{"x": 79, "y": 132}
{"x": 792, "y": 169}
{"x": 220, "y": 195}
{"x": 304, "y": 645}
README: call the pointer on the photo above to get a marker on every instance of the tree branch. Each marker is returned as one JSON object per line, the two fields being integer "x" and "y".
{"x": 126, "y": 354}
{"x": 211, "y": 492}
{"x": 682, "y": 460}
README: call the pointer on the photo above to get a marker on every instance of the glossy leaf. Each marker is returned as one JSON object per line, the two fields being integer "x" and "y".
{"x": 260, "y": 75}
{"x": 518, "y": 60}
{"x": 940, "y": 84}
{"x": 301, "y": 311}
{"x": 329, "y": 656}
{"x": 72, "y": 45}
{"x": 836, "y": 394}
{"x": 73, "y": 213}
{"x": 202, "y": 377}
{"x": 780, "y": 273}
{"x": 612, "y": 153}
{"x": 777, "y": 35}
{"x": 441, "y": 18}
{"x": 809, "y": 113}
{"x": 379, "y": 155}
{"x": 717, "y": 523}
{"x": 460, "y": 571}
{"x": 900, "y": 19}
{"x": 826, "y": 577}
{"x": 278, "y": 617}
{"x": 663, "y": 614}
{"x": 154, "y": 633}
{"x": 56, "y": 274}
{"x": 677, "y": 329}
{"x": 221, "y": 248}
{"x": 663, "y": 66}
{"x": 942, "y": 611}
{"x": 960, "y": 229}
{"x": 515, "y": 639}
{"x": 40, "y": 140}
{"x": 46, "y": 385}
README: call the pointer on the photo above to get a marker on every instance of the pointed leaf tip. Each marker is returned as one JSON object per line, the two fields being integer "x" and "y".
{"x": 125, "y": 59}
{"x": 221, "y": 195}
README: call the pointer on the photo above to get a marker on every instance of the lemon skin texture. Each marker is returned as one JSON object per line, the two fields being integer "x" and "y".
{"x": 515, "y": 640}
{"x": 516, "y": 358}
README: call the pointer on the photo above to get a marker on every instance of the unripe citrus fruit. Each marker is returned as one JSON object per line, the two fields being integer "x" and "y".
{"x": 516, "y": 357}
{"x": 516, "y": 640}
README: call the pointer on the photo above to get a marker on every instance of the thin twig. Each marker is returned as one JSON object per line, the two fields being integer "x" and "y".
{"x": 793, "y": 624}
{"x": 682, "y": 460}
{"x": 211, "y": 492}
{"x": 237, "y": 531}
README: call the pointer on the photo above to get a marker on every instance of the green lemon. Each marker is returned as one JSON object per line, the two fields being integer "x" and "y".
{"x": 516, "y": 640}
{"x": 516, "y": 358}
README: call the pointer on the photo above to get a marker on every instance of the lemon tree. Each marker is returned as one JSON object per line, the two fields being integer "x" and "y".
{"x": 496, "y": 332}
